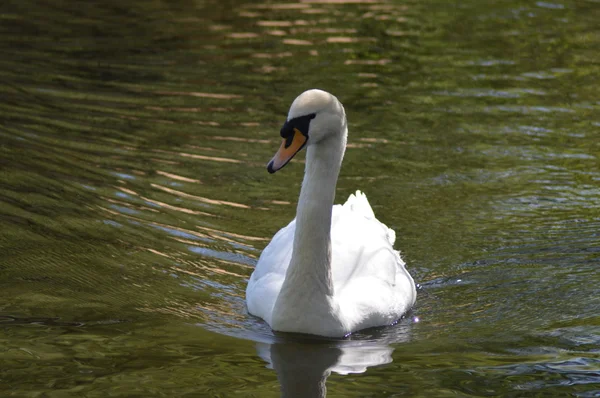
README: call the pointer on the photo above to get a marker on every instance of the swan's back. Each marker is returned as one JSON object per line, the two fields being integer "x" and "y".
{"x": 370, "y": 282}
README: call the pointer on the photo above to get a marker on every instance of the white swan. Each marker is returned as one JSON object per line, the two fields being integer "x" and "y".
{"x": 332, "y": 270}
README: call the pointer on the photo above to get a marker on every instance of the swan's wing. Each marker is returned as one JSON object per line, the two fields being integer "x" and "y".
{"x": 371, "y": 284}
{"x": 361, "y": 243}
{"x": 370, "y": 281}
{"x": 360, "y": 248}
{"x": 358, "y": 204}
{"x": 275, "y": 258}
{"x": 266, "y": 280}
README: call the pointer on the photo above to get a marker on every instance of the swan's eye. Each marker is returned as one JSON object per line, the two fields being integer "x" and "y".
{"x": 299, "y": 123}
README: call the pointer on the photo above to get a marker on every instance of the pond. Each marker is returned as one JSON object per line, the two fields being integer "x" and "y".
{"x": 135, "y": 200}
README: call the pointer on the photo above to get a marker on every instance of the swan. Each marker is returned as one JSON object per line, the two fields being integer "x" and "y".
{"x": 332, "y": 270}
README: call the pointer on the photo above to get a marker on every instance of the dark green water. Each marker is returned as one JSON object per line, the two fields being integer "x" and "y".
{"x": 134, "y": 199}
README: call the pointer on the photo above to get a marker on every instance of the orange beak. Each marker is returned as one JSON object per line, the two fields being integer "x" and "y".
{"x": 289, "y": 147}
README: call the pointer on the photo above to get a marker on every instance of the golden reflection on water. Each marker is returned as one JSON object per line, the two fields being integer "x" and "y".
{"x": 212, "y": 268}
{"x": 280, "y": 202}
{"x": 200, "y": 198}
{"x": 201, "y": 95}
{"x": 275, "y": 23}
{"x": 211, "y": 158}
{"x": 157, "y": 252}
{"x": 297, "y": 42}
{"x": 127, "y": 191}
{"x": 176, "y": 208}
{"x": 164, "y": 161}
{"x": 276, "y": 32}
{"x": 212, "y": 234}
{"x": 177, "y": 177}
{"x": 280, "y": 27}
{"x": 242, "y": 35}
{"x": 236, "y": 235}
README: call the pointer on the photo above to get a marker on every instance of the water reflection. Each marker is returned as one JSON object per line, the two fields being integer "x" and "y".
{"x": 303, "y": 363}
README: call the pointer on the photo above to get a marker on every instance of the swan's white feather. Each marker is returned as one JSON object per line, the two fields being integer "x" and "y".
{"x": 371, "y": 284}
{"x": 357, "y": 202}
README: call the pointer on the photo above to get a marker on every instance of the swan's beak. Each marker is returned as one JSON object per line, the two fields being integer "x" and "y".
{"x": 289, "y": 147}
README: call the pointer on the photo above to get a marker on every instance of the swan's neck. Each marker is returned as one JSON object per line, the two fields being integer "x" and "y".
{"x": 310, "y": 266}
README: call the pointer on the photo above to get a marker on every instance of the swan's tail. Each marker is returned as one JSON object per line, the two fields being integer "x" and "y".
{"x": 359, "y": 203}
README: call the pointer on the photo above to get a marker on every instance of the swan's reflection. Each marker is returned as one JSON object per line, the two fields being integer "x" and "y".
{"x": 303, "y": 363}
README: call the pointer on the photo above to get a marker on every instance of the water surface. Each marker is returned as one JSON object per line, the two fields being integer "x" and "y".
{"x": 134, "y": 198}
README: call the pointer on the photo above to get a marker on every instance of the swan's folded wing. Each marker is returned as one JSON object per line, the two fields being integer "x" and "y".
{"x": 360, "y": 247}
{"x": 371, "y": 284}
{"x": 359, "y": 204}
{"x": 266, "y": 280}
{"x": 275, "y": 258}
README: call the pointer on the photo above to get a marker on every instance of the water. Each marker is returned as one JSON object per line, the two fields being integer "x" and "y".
{"x": 134, "y": 199}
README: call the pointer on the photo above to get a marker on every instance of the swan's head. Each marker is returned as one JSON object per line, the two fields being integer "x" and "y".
{"x": 315, "y": 115}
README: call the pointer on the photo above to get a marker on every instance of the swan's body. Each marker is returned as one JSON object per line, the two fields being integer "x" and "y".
{"x": 332, "y": 270}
